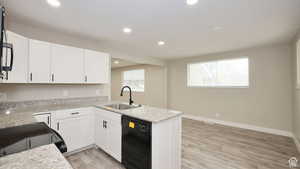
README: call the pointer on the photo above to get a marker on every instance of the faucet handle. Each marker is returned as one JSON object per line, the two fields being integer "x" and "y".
{"x": 131, "y": 102}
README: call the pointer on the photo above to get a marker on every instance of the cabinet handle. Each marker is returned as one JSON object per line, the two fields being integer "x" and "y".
{"x": 52, "y": 77}
{"x": 6, "y": 75}
{"x": 57, "y": 126}
{"x": 48, "y": 120}
{"x": 75, "y": 113}
{"x": 104, "y": 124}
{"x": 29, "y": 142}
{"x": 31, "y": 77}
{"x": 86, "y": 78}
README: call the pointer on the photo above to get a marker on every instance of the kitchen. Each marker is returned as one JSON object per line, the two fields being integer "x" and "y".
{"x": 81, "y": 91}
{"x": 87, "y": 122}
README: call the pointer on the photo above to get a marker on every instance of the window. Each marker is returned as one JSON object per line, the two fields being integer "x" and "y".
{"x": 222, "y": 73}
{"x": 135, "y": 79}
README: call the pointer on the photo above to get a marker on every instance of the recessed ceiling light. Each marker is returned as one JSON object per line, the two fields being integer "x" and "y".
{"x": 116, "y": 62}
{"x": 217, "y": 28}
{"x": 127, "y": 30}
{"x": 54, "y": 3}
{"x": 7, "y": 112}
{"x": 161, "y": 43}
{"x": 191, "y": 2}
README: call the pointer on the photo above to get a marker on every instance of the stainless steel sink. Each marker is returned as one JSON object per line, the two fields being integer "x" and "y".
{"x": 121, "y": 106}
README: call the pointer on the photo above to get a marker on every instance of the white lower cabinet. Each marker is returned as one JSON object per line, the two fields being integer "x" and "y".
{"x": 101, "y": 133}
{"x": 76, "y": 127}
{"x": 115, "y": 140}
{"x": 87, "y": 126}
{"x": 108, "y": 132}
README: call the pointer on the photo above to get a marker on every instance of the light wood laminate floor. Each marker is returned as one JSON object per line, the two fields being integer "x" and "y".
{"x": 207, "y": 146}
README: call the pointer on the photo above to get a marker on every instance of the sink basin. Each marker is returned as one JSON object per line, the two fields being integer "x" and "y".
{"x": 121, "y": 106}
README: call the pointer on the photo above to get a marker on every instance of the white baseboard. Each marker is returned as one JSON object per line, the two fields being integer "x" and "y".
{"x": 79, "y": 150}
{"x": 240, "y": 125}
{"x": 296, "y": 142}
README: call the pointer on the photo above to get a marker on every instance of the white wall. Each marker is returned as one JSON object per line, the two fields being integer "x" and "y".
{"x": 266, "y": 103}
{"x": 296, "y": 92}
{"x": 155, "y": 86}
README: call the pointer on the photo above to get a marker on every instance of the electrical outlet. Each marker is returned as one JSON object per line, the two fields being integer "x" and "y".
{"x": 3, "y": 97}
{"x": 217, "y": 115}
{"x": 65, "y": 93}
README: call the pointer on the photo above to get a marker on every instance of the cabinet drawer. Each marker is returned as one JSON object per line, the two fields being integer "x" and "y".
{"x": 109, "y": 115}
{"x": 63, "y": 114}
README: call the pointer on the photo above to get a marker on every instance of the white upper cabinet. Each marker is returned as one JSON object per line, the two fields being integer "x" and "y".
{"x": 20, "y": 60}
{"x": 39, "y": 62}
{"x": 97, "y": 67}
{"x": 42, "y": 62}
{"x": 67, "y": 64}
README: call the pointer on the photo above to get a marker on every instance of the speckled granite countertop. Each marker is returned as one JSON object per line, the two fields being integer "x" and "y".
{"x": 45, "y": 157}
{"x": 147, "y": 113}
{"x": 17, "y": 117}
{"x": 21, "y": 116}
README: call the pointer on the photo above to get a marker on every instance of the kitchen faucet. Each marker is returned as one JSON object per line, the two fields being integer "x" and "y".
{"x": 130, "y": 96}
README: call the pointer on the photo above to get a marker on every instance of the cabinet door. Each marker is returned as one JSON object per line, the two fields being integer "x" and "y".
{"x": 100, "y": 132}
{"x": 87, "y": 130}
{"x": 39, "y": 61}
{"x": 46, "y": 118}
{"x": 67, "y": 64}
{"x": 115, "y": 137}
{"x": 75, "y": 131}
{"x": 20, "y": 62}
{"x": 68, "y": 129}
{"x": 97, "y": 67}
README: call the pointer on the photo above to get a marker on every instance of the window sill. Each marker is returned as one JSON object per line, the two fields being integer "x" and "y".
{"x": 221, "y": 87}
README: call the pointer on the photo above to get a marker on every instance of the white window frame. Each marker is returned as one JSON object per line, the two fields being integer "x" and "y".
{"x": 133, "y": 90}
{"x": 221, "y": 87}
{"x": 298, "y": 64}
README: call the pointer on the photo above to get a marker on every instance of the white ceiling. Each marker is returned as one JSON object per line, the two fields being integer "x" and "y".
{"x": 187, "y": 30}
{"x": 121, "y": 63}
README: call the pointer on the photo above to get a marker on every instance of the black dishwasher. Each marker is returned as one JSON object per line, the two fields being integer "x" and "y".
{"x": 136, "y": 143}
